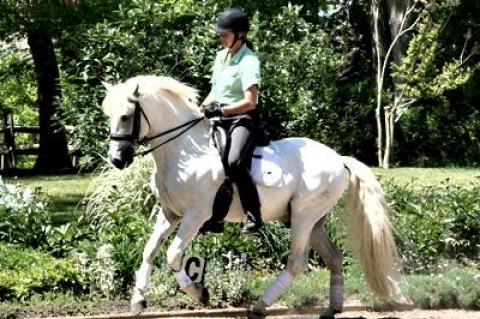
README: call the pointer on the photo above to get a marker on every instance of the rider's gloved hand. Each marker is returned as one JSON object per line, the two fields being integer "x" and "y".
{"x": 212, "y": 111}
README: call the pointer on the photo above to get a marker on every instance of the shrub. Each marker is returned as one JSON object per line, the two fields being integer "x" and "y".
{"x": 99, "y": 272}
{"x": 115, "y": 192}
{"x": 24, "y": 218}
{"x": 454, "y": 288}
{"x": 25, "y": 272}
{"x": 435, "y": 222}
{"x": 299, "y": 64}
{"x": 226, "y": 282}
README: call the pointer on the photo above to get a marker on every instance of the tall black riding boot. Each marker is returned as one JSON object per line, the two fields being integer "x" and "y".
{"x": 253, "y": 224}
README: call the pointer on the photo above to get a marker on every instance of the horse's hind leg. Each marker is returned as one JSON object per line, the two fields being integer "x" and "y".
{"x": 322, "y": 244}
{"x": 297, "y": 263}
{"x": 164, "y": 226}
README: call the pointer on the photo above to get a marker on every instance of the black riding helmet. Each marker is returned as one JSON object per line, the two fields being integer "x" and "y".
{"x": 234, "y": 20}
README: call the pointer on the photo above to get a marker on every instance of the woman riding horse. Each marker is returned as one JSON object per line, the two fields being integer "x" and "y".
{"x": 232, "y": 103}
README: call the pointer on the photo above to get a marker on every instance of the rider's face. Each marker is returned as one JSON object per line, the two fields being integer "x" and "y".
{"x": 226, "y": 38}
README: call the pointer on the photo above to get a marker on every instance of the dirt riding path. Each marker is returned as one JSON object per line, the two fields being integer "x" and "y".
{"x": 414, "y": 314}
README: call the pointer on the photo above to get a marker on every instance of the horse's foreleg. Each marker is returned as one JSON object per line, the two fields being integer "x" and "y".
{"x": 164, "y": 226}
{"x": 322, "y": 244}
{"x": 189, "y": 227}
{"x": 297, "y": 263}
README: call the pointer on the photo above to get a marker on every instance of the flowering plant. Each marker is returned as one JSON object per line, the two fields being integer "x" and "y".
{"x": 24, "y": 218}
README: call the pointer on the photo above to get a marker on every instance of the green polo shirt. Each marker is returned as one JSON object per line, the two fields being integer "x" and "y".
{"x": 232, "y": 77}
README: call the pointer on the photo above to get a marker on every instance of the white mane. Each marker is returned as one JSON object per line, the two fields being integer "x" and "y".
{"x": 150, "y": 85}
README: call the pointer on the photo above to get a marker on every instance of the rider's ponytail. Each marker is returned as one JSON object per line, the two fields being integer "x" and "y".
{"x": 249, "y": 44}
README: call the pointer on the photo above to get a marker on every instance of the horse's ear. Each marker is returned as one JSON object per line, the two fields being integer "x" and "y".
{"x": 134, "y": 97}
{"x": 107, "y": 85}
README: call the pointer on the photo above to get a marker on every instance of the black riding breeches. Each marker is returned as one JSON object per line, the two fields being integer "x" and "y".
{"x": 238, "y": 159}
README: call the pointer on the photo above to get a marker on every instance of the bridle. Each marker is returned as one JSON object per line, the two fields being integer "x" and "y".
{"x": 134, "y": 136}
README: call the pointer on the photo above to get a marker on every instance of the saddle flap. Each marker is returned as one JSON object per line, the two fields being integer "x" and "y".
{"x": 266, "y": 168}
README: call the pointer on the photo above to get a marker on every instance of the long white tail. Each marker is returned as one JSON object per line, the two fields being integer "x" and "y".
{"x": 369, "y": 230}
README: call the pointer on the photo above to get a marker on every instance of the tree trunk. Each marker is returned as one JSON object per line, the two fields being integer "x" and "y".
{"x": 378, "y": 52}
{"x": 53, "y": 155}
{"x": 389, "y": 138}
{"x": 397, "y": 10}
{"x": 388, "y": 40}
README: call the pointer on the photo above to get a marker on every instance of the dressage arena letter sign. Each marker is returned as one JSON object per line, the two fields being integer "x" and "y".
{"x": 195, "y": 268}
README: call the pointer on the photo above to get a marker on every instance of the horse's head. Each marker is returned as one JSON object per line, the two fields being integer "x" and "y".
{"x": 128, "y": 122}
{"x": 143, "y": 109}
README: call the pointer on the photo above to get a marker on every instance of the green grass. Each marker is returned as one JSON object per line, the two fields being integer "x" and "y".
{"x": 65, "y": 192}
{"x": 455, "y": 288}
{"x": 307, "y": 289}
{"x": 430, "y": 176}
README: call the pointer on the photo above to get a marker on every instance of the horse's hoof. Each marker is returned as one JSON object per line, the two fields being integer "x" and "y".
{"x": 204, "y": 297}
{"x": 255, "y": 314}
{"x": 138, "y": 307}
{"x": 329, "y": 314}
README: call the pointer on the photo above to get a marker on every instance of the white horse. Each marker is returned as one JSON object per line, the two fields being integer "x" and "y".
{"x": 189, "y": 171}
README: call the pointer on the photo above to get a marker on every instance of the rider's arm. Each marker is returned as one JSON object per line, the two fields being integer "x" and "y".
{"x": 248, "y": 103}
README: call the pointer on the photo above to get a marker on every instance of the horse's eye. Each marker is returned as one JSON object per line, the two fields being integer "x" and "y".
{"x": 124, "y": 118}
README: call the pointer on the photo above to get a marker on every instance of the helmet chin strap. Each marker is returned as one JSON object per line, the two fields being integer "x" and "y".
{"x": 235, "y": 39}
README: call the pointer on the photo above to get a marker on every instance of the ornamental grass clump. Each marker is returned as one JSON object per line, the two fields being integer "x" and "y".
{"x": 115, "y": 192}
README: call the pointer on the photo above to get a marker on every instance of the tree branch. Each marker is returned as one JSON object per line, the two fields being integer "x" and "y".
{"x": 475, "y": 50}
{"x": 399, "y": 35}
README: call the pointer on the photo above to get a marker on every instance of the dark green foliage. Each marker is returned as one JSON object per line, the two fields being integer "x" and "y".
{"x": 441, "y": 73}
{"x": 435, "y": 222}
{"x": 299, "y": 69}
{"x": 423, "y": 133}
{"x": 26, "y": 272}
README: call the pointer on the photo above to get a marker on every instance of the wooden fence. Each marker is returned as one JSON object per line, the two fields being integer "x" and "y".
{"x": 10, "y": 150}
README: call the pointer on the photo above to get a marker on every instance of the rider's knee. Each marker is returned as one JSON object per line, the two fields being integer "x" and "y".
{"x": 234, "y": 165}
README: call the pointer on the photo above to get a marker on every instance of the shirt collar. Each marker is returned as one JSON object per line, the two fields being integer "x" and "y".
{"x": 238, "y": 56}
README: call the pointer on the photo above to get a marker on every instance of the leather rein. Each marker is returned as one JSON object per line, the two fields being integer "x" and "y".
{"x": 135, "y": 134}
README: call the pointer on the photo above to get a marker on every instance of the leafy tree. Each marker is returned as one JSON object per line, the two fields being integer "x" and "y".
{"x": 39, "y": 22}
{"x": 422, "y": 71}
{"x": 438, "y": 69}
{"x": 299, "y": 62}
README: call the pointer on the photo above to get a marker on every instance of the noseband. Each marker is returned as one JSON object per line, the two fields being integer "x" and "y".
{"x": 134, "y": 136}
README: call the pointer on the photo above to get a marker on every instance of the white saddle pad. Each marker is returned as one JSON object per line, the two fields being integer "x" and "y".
{"x": 266, "y": 167}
